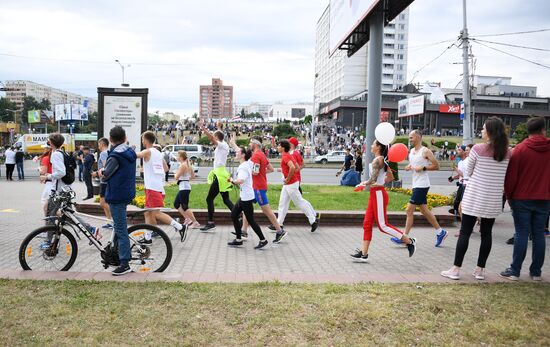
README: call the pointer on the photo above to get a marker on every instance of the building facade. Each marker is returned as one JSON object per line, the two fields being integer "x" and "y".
{"x": 291, "y": 112}
{"x": 216, "y": 100}
{"x": 16, "y": 91}
{"x": 170, "y": 117}
{"x": 342, "y": 76}
{"x": 255, "y": 107}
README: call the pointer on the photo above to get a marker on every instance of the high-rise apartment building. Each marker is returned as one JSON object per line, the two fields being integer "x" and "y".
{"x": 16, "y": 91}
{"x": 342, "y": 76}
{"x": 216, "y": 100}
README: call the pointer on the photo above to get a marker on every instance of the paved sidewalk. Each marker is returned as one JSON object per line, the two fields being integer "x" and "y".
{"x": 303, "y": 256}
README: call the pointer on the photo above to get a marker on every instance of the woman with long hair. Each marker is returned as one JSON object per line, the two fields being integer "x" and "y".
{"x": 378, "y": 202}
{"x": 482, "y": 198}
{"x": 183, "y": 176}
{"x": 45, "y": 169}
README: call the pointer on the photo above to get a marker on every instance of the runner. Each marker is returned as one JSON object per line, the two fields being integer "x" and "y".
{"x": 183, "y": 175}
{"x": 290, "y": 192}
{"x": 378, "y": 202}
{"x": 421, "y": 160}
{"x": 261, "y": 167}
{"x": 154, "y": 168}
{"x": 297, "y": 159}
{"x": 245, "y": 204}
{"x": 218, "y": 177}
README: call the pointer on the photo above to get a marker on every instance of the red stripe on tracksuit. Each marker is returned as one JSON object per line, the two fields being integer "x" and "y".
{"x": 376, "y": 211}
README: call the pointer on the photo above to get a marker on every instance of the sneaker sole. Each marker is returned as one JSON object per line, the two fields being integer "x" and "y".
{"x": 207, "y": 230}
{"x": 511, "y": 278}
{"x": 261, "y": 247}
{"x": 359, "y": 260}
{"x": 455, "y": 278}
{"x": 123, "y": 273}
{"x": 444, "y": 238}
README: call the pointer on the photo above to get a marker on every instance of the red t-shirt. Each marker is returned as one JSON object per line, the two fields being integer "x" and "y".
{"x": 259, "y": 181}
{"x": 46, "y": 162}
{"x": 298, "y": 160}
{"x": 284, "y": 167}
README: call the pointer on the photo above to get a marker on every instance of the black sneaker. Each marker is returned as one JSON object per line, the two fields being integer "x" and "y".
{"x": 244, "y": 234}
{"x": 262, "y": 244}
{"x": 183, "y": 233}
{"x": 412, "y": 247}
{"x": 271, "y": 227}
{"x": 510, "y": 241}
{"x": 235, "y": 243}
{"x": 121, "y": 270}
{"x": 359, "y": 257}
{"x": 509, "y": 274}
{"x": 279, "y": 236}
{"x": 315, "y": 225}
{"x": 208, "y": 227}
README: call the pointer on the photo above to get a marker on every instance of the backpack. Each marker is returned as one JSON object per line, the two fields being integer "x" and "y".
{"x": 70, "y": 166}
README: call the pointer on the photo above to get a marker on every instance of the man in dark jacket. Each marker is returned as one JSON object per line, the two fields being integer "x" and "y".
{"x": 87, "y": 162}
{"x": 120, "y": 176}
{"x": 19, "y": 159}
{"x": 527, "y": 189}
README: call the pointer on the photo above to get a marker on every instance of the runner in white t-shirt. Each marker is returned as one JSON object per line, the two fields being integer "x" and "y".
{"x": 154, "y": 168}
{"x": 245, "y": 204}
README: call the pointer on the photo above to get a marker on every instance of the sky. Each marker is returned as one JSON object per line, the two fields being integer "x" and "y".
{"x": 264, "y": 49}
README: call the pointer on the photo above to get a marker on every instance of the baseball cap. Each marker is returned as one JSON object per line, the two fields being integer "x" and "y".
{"x": 294, "y": 141}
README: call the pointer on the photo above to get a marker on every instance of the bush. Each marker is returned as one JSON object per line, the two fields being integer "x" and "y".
{"x": 283, "y": 131}
{"x": 405, "y": 141}
{"x": 242, "y": 142}
{"x": 204, "y": 141}
{"x": 521, "y": 132}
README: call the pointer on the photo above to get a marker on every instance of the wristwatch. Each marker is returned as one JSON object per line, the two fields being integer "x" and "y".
{"x": 424, "y": 168}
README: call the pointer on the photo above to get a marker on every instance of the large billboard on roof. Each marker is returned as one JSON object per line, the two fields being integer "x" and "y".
{"x": 345, "y": 16}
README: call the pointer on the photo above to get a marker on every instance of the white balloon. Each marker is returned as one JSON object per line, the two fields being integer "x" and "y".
{"x": 384, "y": 133}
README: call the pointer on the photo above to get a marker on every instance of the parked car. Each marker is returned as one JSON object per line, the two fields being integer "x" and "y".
{"x": 175, "y": 165}
{"x": 194, "y": 152}
{"x": 331, "y": 157}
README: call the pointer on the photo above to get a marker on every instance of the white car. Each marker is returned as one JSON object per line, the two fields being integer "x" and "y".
{"x": 175, "y": 165}
{"x": 194, "y": 152}
{"x": 331, "y": 157}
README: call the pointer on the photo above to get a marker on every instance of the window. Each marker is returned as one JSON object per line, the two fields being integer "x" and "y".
{"x": 400, "y": 57}
{"x": 389, "y": 36}
{"x": 402, "y": 26}
{"x": 388, "y": 45}
{"x": 402, "y": 16}
{"x": 400, "y": 67}
{"x": 401, "y": 36}
{"x": 401, "y": 46}
{"x": 387, "y": 75}
{"x": 388, "y": 55}
{"x": 388, "y": 66}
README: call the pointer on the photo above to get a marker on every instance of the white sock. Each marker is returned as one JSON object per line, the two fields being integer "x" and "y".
{"x": 176, "y": 225}
{"x": 438, "y": 231}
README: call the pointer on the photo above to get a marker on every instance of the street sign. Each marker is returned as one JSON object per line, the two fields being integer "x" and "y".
{"x": 462, "y": 110}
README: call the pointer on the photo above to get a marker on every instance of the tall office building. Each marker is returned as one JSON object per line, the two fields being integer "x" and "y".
{"x": 16, "y": 91}
{"x": 216, "y": 100}
{"x": 342, "y": 76}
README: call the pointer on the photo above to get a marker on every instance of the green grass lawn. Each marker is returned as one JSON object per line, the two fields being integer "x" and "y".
{"x": 76, "y": 313}
{"x": 321, "y": 197}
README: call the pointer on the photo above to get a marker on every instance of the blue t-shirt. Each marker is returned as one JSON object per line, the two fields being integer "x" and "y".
{"x": 347, "y": 162}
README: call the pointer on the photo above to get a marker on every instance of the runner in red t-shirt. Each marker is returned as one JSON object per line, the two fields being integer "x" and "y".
{"x": 290, "y": 191}
{"x": 261, "y": 167}
{"x": 297, "y": 159}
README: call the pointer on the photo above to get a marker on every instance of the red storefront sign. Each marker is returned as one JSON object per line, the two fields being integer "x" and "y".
{"x": 445, "y": 108}
{"x": 384, "y": 115}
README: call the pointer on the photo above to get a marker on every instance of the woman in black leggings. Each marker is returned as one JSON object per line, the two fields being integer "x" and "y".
{"x": 245, "y": 204}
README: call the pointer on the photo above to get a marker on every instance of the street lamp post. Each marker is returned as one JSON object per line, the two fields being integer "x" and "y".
{"x": 123, "y": 84}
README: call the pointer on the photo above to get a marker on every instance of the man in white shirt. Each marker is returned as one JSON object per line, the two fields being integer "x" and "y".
{"x": 55, "y": 141}
{"x": 10, "y": 163}
{"x": 154, "y": 168}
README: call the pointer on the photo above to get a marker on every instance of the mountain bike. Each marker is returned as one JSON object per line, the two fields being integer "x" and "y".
{"x": 54, "y": 247}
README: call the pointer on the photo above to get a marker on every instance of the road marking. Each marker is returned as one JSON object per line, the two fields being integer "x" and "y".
{"x": 9, "y": 210}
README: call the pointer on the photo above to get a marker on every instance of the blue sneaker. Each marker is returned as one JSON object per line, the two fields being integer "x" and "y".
{"x": 45, "y": 245}
{"x": 439, "y": 238}
{"x": 396, "y": 241}
{"x": 108, "y": 226}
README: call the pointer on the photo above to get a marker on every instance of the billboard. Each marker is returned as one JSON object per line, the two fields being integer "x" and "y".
{"x": 65, "y": 112}
{"x": 411, "y": 106}
{"x": 34, "y": 116}
{"x": 344, "y": 17}
{"x": 125, "y": 111}
{"x": 446, "y": 108}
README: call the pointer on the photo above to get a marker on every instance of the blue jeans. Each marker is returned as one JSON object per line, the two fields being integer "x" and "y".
{"x": 80, "y": 168}
{"x": 118, "y": 211}
{"x": 529, "y": 217}
{"x": 20, "y": 171}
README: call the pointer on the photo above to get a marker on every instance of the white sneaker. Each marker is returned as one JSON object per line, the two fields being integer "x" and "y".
{"x": 479, "y": 275}
{"x": 536, "y": 278}
{"x": 451, "y": 274}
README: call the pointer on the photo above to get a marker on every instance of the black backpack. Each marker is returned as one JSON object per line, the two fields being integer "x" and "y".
{"x": 70, "y": 166}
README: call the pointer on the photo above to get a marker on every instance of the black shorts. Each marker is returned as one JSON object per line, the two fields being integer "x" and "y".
{"x": 102, "y": 189}
{"x": 182, "y": 200}
{"x": 419, "y": 196}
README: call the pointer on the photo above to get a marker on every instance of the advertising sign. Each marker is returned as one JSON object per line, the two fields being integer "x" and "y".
{"x": 445, "y": 108}
{"x": 65, "y": 112}
{"x": 462, "y": 110}
{"x": 34, "y": 116}
{"x": 411, "y": 107}
{"x": 126, "y": 112}
{"x": 344, "y": 17}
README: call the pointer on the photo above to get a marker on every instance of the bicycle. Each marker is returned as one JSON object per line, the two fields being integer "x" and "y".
{"x": 54, "y": 248}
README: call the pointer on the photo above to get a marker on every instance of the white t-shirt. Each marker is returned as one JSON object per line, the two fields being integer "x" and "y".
{"x": 10, "y": 156}
{"x": 244, "y": 172}
{"x": 220, "y": 154}
{"x": 416, "y": 158}
{"x": 153, "y": 172}
{"x": 462, "y": 166}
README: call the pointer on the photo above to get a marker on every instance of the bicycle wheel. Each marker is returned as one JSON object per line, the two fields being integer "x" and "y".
{"x": 149, "y": 256}
{"x": 37, "y": 253}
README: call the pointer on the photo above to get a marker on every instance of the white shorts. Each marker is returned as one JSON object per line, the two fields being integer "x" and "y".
{"x": 46, "y": 192}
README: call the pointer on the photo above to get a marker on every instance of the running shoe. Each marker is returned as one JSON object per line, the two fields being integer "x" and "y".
{"x": 108, "y": 226}
{"x": 122, "y": 270}
{"x": 479, "y": 275}
{"x": 262, "y": 244}
{"x": 272, "y": 228}
{"x": 536, "y": 278}
{"x": 359, "y": 257}
{"x": 396, "y": 241}
{"x": 279, "y": 236}
{"x": 509, "y": 274}
{"x": 510, "y": 241}
{"x": 450, "y": 274}
{"x": 315, "y": 225}
{"x": 412, "y": 247}
{"x": 244, "y": 234}
{"x": 208, "y": 227}
{"x": 439, "y": 238}
{"x": 183, "y": 233}
{"x": 235, "y": 243}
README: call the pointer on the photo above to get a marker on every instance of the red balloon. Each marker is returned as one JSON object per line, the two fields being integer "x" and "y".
{"x": 398, "y": 153}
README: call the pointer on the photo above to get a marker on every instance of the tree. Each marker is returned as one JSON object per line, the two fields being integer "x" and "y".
{"x": 6, "y": 107}
{"x": 521, "y": 132}
{"x": 283, "y": 131}
{"x": 307, "y": 119}
{"x": 153, "y": 119}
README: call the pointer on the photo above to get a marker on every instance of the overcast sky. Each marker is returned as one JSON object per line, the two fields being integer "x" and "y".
{"x": 265, "y": 49}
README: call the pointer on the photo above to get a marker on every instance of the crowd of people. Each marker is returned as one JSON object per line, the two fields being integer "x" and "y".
{"x": 485, "y": 172}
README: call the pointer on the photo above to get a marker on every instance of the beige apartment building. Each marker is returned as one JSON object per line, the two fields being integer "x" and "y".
{"x": 216, "y": 100}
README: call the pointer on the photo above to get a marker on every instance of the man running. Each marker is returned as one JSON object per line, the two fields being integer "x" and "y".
{"x": 218, "y": 177}
{"x": 421, "y": 160}
{"x": 261, "y": 167}
{"x": 297, "y": 159}
{"x": 154, "y": 168}
{"x": 290, "y": 191}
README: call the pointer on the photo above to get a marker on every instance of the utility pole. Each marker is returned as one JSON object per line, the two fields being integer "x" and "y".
{"x": 466, "y": 95}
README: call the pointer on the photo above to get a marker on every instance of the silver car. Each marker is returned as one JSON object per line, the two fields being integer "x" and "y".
{"x": 331, "y": 157}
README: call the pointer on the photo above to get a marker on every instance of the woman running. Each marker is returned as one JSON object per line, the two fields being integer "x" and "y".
{"x": 245, "y": 204}
{"x": 378, "y": 201}
{"x": 183, "y": 175}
